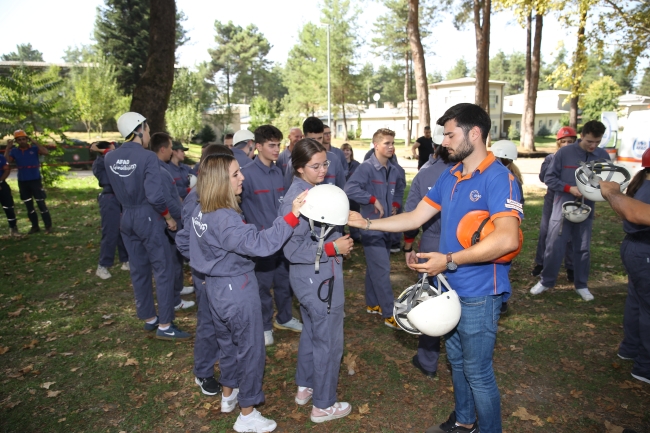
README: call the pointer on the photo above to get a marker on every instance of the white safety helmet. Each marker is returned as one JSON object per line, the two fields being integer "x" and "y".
{"x": 242, "y": 135}
{"x": 438, "y": 134}
{"x": 192, "y": 180}
{"x": 128, "y": 122}
{"x": 426, "y": 309}
{"x": 329, "y": 206}
{"x": 504, "y": 149}
{"x": 589, "y": 174}
{"x": 575, "y": 211}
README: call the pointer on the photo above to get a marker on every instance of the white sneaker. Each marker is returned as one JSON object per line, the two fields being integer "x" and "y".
{"x": 126, "y": 266}
{"x": 538, "y": 288}
{"x": 187, "y": 290}
{"x": 184, "y": 305}
{"x": 292, "y": 325}
{"x": 303, "y": 395}
{"x": 103, "y": 273}
{"x": 254, "y": 422}
{"x": 395, "y": 250}
{"x": 337, "y": 410}
{"x": 268, "y": 338}
{"x": 586, "y": 294}
{"x": 229, "y": 404}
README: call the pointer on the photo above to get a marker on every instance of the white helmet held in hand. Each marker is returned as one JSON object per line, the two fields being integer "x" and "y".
{"x": 575, "y": 211}
{"x": 504, "y": 149}
{"x": 589, "y": 174}
{"x": 128, "y": 122}
{"x": 426, "y": 309}
{"x": 329, "y": 206}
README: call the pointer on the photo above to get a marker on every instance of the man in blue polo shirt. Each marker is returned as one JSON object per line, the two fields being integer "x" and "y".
{"x": 30, "y": 184}
{"x": 477, "y": 182}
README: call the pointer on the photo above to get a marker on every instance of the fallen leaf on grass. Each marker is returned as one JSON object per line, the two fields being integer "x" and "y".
{"x": 205, "y": 428}
{"x": 296, "y": 415}
{"x": 629, "y": 385}
{"x": 47, "y": 385}
{"x": 107, "y": 316}
{"x": 201, "y": 413}
{"x": 576, "y": 394}
{"x": 51, "y": 394}
{"x": 523, "y": 414}
{"x": 67, "y": 353}
{"x": 131, "y": 361}
{"x": 170, "y": 354}
{"x": 589, "y": 325}
{"x": 355, "y": 417}
{"x": 27, "y": 369}
{"x": 17, "y": 297}
{"x": 32, "y": 344}
{"x": 74, "y": 369}
{"x": 363, "y": 409}
{"x": 3, "y": 350}
{"x": 350, "y": 361}
{"x": 611, "y": 428}
{"x": 107, "y": 323}
{"x": 61, "y": 419}
{"x": 15, "y": 313}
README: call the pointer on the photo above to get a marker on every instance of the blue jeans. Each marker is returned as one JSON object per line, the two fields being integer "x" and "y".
{"x": 469, "y": 350}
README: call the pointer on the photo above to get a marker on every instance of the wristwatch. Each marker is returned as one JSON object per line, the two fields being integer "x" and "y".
{"x": 451, "y": 266}
{"x": 404, "y": 250}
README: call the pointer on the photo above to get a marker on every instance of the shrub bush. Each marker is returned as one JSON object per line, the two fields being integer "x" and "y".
{"x": 207, "y": 134}
{"x": 543, "y": 131}
{"x": 513, "y": 133}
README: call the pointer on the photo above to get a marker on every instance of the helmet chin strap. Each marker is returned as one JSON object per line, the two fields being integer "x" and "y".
{"x": 325, "y": 229}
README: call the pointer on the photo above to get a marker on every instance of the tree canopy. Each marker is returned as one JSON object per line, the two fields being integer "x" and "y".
{"x": 23, "y": 53}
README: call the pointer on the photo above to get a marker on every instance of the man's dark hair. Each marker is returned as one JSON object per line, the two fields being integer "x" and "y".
{"x": 228, "y": 136}
{"x": 312, "y": 125}
{"x": 467, "y": 116}
{"x": 103, "y": 144}
{"x": 159, "y": 140}
{"x": 302, "y": 153}
{"x": 266, "y": 133}
{"x": 594, "y": 127}
{"x": 427, "y": 128}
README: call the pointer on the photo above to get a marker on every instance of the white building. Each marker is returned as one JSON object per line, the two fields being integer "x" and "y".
{"x": 550, "y": 106}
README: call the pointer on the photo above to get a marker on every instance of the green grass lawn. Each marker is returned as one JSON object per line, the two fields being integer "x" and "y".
{"x": 74, "y": 358}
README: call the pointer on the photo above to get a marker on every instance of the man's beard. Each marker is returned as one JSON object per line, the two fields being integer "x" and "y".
{"x": 463, "y": 151}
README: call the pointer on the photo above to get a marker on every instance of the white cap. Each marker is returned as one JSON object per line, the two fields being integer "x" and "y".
{"x": 242, "y": 135}
{"x": 128, "y": 122}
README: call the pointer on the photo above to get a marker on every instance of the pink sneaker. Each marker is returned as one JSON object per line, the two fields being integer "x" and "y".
{"x": 337, "y": 410}
{"x": 303, "y": 395}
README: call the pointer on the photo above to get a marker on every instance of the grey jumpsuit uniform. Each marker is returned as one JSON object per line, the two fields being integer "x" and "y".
{"x": 334, "y": 175}
{"x": 546, "y": 216}
{"x": 262, "y": 195}
{"x": 635, "y": 253}
{"x": 180, "y": 173}
{"x": 241, "y": 157}
{"x": 372, "y": 181}
{"x": 221, "y": 247}
{"x": 321, "y": 341}
{"x": 284, "y": 161}
{"x": 175, "y": 206}
{"x": 355, "y": 233}
{"x": 559, "y": 177}
{"x": 134, "y": 174}
{"x": 109, "y": 211}
{"x": 206, "y": 346}
{"x": 396, "y": 238}
{"x": 428, "y": 347}
{"x": 341, "y": 157}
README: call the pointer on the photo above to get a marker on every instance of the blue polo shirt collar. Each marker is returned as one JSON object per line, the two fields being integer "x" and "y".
{"x": 457, "y": 170}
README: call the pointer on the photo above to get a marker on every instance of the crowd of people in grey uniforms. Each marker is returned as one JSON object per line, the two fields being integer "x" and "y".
{"x": 240, "y": 271}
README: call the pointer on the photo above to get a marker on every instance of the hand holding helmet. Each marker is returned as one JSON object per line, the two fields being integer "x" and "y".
{"x": 298, "y": 203}
{"x": 589, "y": 175}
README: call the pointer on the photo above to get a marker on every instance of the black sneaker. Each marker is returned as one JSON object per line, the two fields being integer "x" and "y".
{"x": 33, "y": 230}
{"x": 569, "y": 275}
{"x": 209, "y": 385}
{"x": 536, "y": 270}
{"x": 151, "y": 326}
{"x": 416, "y": 363}
{"x": 450, "y": 426}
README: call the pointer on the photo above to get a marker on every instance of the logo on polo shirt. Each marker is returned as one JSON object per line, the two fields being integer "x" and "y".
{"x": 123, "y": 168}
{"x": 199, "y": 226}
{"x": 474, "y": 196}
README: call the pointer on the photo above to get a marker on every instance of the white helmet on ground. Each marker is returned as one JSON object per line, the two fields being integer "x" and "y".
{"x": 426, "y": 309}
{"x": 329, "y": 206}
{"x": 128, "y": 122}
{"x": 575, "y": 211}
{"x": 589, "y": 174}
{"x": 504, "y": 149}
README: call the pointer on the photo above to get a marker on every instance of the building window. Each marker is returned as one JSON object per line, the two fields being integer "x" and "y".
{"x": 541, "y": 122}
{"x": 339, "y": 128}
{"x": 550, "y": 122}
{"x": 494, "y": 99}
{"x": 518, "y": 124}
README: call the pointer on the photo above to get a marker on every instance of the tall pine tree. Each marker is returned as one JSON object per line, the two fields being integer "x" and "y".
{"x": 122, "y": 35}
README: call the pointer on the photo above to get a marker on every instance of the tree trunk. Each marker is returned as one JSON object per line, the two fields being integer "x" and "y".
{"x": 482, "y": 30}
{"x": 529, "y": 27}
{"x": 151, "y": 93}
{"x": 417, "y": 53}
{"x": 580, "y": 65}
{"x": 407, "y": 75}
{"x": 345, "y": 122}
{"x": 529, "y": 137}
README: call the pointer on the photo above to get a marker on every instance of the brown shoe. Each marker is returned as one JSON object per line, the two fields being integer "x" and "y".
{"x": 33, "y": 230}
{"x": 49, "y": 230}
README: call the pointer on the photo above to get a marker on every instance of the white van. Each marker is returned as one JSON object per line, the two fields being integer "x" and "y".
{"x": 626, "y": 147}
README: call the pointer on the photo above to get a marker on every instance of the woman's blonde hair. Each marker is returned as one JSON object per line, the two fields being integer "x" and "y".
{"x": 347, "y": 146}
{"x": 513, "y": 169}
{"x": 213, "y": 185}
